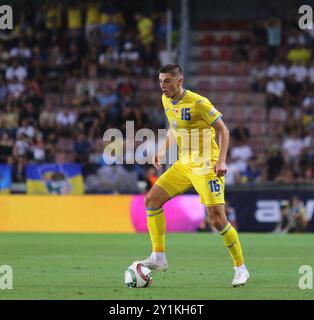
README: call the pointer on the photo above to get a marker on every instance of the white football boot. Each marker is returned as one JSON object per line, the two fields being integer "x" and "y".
{"x": 154, "y": 264}
{"x": 241, "y": 276}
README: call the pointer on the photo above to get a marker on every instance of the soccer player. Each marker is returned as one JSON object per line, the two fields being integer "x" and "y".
{"x": 201, "y": 165}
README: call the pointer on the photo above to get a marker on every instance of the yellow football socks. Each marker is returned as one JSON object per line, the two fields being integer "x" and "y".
{"x": 156, "y": 224}
{"x": 232, "y": 242}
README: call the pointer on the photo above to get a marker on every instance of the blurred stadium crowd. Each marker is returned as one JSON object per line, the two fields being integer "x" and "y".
{"x": 69, "y": 72}
{"x": 261, "y": 78}
{"x": 284, "y": 72}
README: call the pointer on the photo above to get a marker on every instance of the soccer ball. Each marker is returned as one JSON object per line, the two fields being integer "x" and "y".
{"x": 138, "y": 276}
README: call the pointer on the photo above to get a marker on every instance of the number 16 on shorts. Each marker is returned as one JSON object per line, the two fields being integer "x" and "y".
{"x": 214, "y": 185}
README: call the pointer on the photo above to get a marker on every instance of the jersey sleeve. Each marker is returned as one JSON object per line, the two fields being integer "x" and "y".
{"x": 208, "y": 112}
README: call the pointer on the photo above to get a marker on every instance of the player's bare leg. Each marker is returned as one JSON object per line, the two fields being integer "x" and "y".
{"x": 154, "y": 200}
{"x": 217, "y": 217}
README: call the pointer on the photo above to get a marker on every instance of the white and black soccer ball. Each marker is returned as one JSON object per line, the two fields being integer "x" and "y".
{"x": 138, "y": 276}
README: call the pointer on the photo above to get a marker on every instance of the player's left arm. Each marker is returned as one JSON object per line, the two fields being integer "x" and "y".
{"x": 220, "y": 166}
{"x": 213, "y": 118}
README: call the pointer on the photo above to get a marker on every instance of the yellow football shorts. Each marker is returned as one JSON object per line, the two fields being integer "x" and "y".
{"x": 180, "y": 178}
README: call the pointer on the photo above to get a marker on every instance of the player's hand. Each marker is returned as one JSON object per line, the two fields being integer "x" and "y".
{"x": 220, "y": 168}
{"x": 156, "y": 162}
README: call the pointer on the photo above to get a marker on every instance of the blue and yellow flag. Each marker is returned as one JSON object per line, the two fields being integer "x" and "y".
{"x": 54, "y": 179}
{"x": 5, "y": 178}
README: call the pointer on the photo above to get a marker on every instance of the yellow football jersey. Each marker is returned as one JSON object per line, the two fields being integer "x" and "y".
{"x": 191, "y": 119}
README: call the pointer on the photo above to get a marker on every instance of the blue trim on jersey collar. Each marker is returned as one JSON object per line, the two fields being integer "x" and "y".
{"x": 174, "y": 102}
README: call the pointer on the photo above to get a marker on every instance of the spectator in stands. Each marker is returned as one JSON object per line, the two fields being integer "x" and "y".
{"x": 92, "y": 16}
{"x": 240, "y": 54}
{"x": 253, "y": 173}
{"x": 299, "y": 54}
{"x": 306, "y": 175}
{"x": 311, "y": 73}
{"x": 15, "y": 88}
{"x": 294, "y": 90}
{"x": 240, "y": 154}
{"x": 23, "y": 28}
{"x": 275, "y": 89}
{"x": 28, "y": 112}
{"x": 164, "y": 56}
{"x": 18, "y": 174}
{"x": 286, "y": 176}
{"x": 130, "y": 57}
{"x": 258, "y": 77}
{"x": 6, "y": 146}
{"x": 112, "y": 179}
{"x": 285, "y": 222}
{"x": 300, "y": 72}
{"x": 96, "y": 155}
{"x": 110, "y": 9}
{"x": 65, "y": 118}
{"x": 107, "y": 97}
{"x": 47, "y": 118}
{"x": 299, "y": 216}
{"x": 26, "y": 129}
{"x": 3, "y": 90}
{"x": 292, "y": 147}
{"x": 308, "y": 141}
{"x": 53, "y": 15}
{"x": 4, "y": 58}
{"x": 74, "y": 15}
{"x": 22, "y": 147}
{"x": 16, "y": 70}
{"x": 72, "y": 61}
{"x": 82, "y": 148}
{"x": 21, "y": 52}
{"x": 109, "y": 33}
{"x": 307, "y": 157}
{"x": 277, "y": 68}
{"x": 150, "y": 61}
{"x": 295, "y": 37}
{"x": 90, "y": 66}
{"x": 10, "y": 119}
{"x": 109, "y": 62}
{"x": 273, "y": 31}
{"x": 240, "y": 133}
{"x": 38, "y": 149}
{"x": 145, "y": 28}
{"x": 54, "y": 68}
{"x": 259, "y": 33}
{"x": 274, "y": 163}
{"x": 85, "y": 88}
{"x": 307, "y": 112}
{"x": 50, "y": 146}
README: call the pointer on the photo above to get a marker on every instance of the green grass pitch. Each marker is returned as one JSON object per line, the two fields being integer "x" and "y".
{"x": 91, "y": 266}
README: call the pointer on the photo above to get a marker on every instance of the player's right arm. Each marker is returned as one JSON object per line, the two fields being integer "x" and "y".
{"x": 162, "y": 152}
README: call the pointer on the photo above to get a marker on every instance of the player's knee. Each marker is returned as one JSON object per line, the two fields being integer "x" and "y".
{"x": 217, "y": 218}
{"x": 219, "y": 223}
{"x": 152, "y": 201}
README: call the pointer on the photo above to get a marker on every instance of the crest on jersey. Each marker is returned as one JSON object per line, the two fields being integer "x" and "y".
{"x": 175, "y": 111}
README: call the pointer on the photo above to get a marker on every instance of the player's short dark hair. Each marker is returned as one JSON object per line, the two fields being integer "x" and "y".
{"x": 171, "y": 68}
